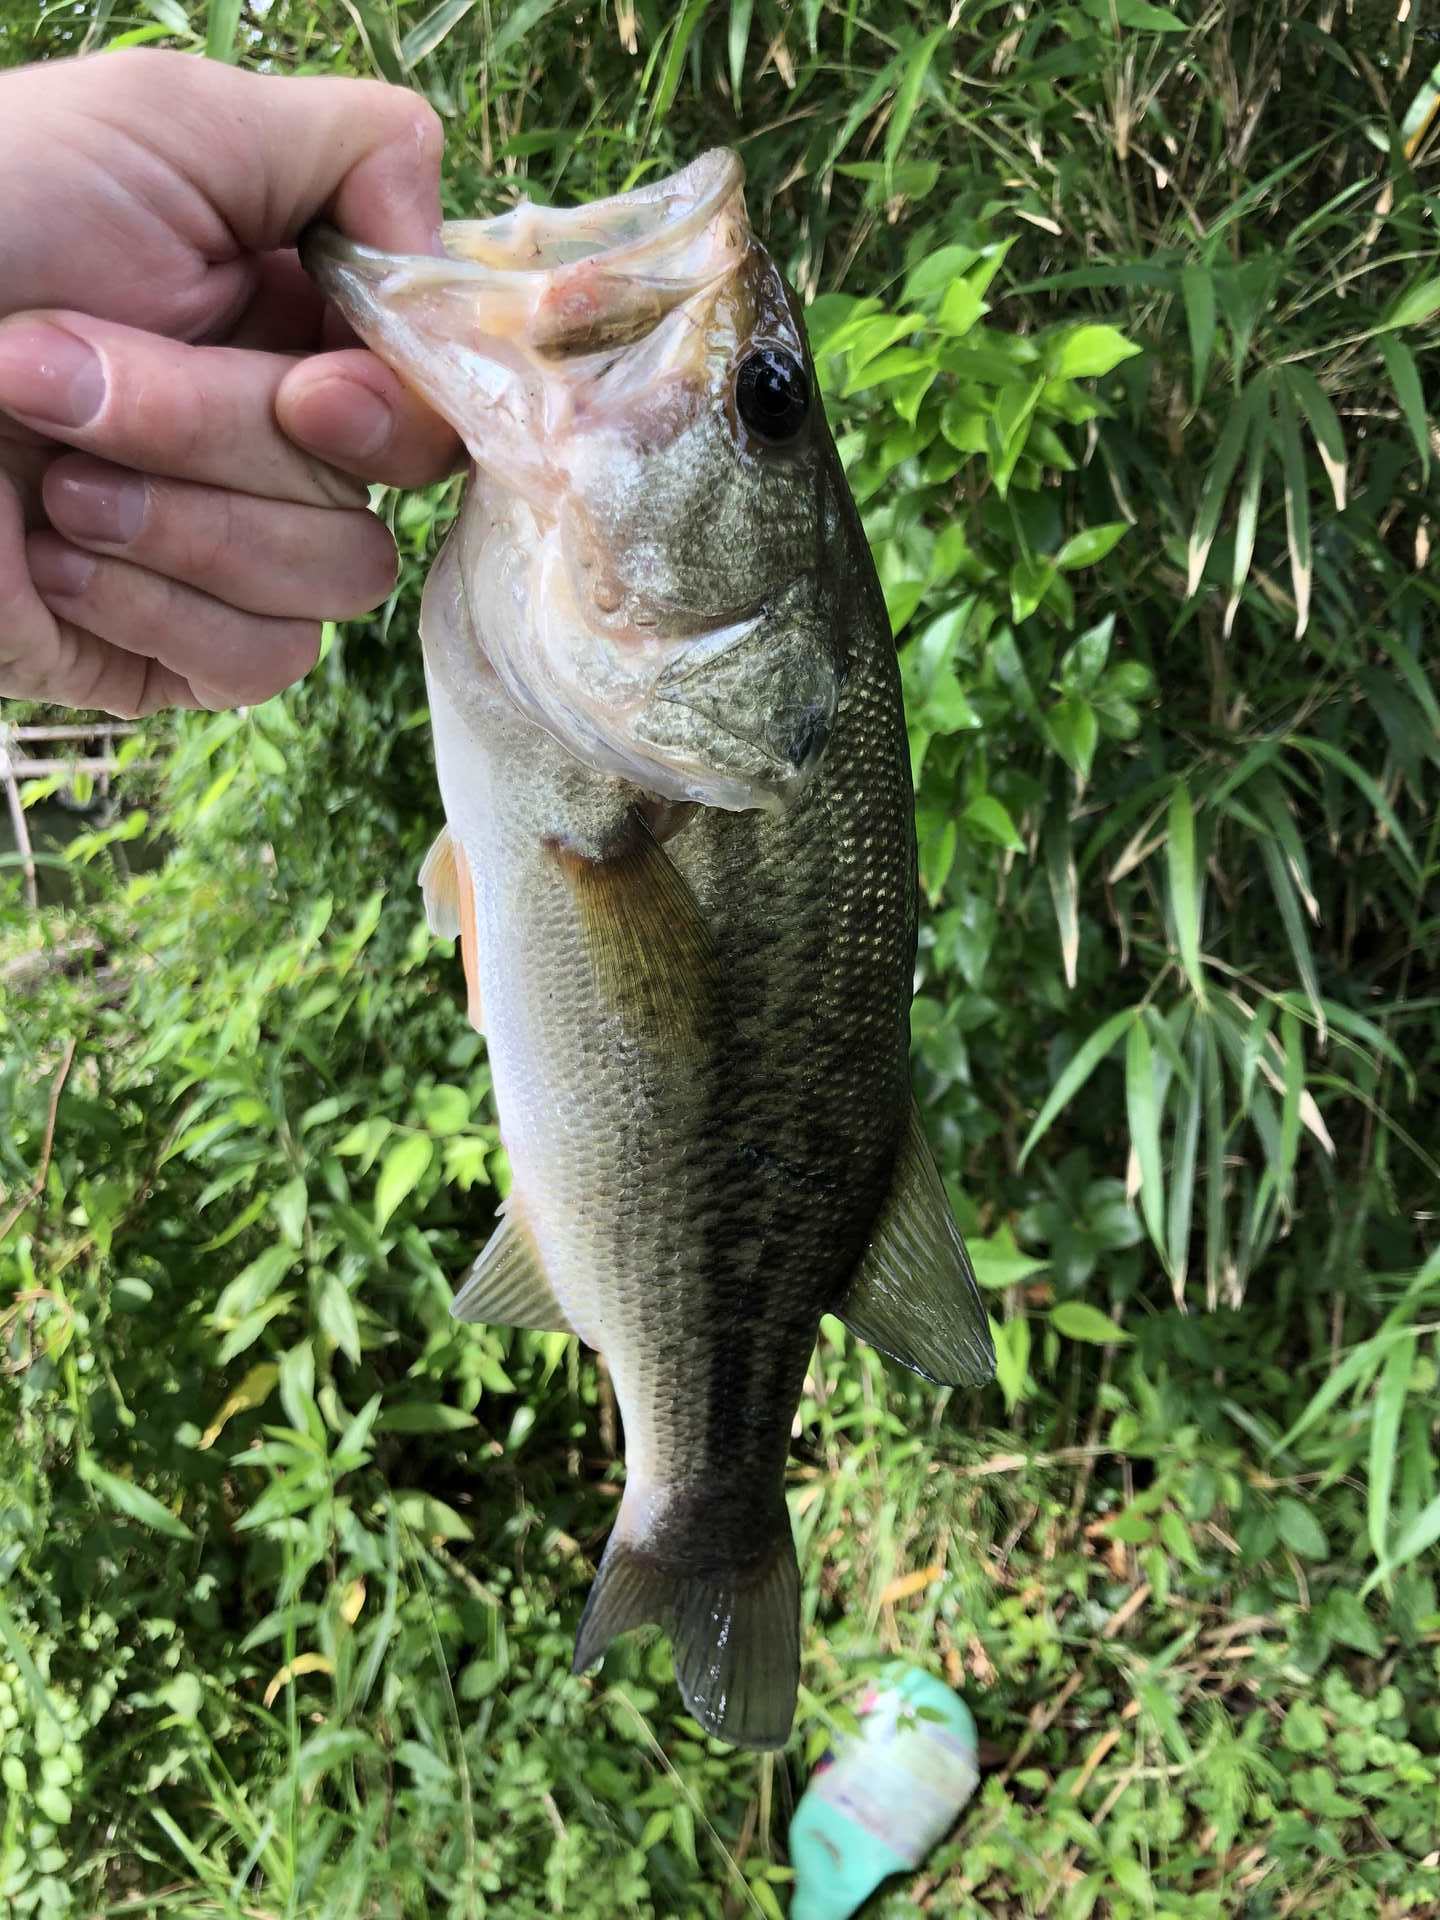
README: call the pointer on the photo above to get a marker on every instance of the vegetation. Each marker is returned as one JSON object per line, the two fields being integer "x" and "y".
{"x": 1124, "y": 314}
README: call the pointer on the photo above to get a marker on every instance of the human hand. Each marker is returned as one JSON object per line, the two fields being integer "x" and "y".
{"x": 181, "y": 497}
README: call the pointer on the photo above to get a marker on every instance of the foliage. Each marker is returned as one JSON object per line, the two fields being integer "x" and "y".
{"x": 1122, "y": 315}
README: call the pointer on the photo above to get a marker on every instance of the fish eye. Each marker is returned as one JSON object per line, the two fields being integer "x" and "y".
{"x": 772, "y": 394}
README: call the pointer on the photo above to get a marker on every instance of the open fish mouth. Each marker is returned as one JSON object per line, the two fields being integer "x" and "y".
{"x": 534, "y": 287}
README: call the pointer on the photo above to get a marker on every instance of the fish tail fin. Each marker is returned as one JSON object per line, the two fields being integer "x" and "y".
{"x": 734, "y": 1633}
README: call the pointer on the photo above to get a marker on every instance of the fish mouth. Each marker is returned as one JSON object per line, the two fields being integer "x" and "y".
{"x": 518, "y": 306}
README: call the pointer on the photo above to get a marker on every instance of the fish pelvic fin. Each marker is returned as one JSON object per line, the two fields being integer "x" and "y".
{"x": 734, "y": 1634}
{"x": 914, "y": 1295}
{"x": 508, "y": 1287}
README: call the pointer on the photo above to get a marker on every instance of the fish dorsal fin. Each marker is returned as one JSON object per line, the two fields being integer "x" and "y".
{"x": 914, "y": 1294}
{"x": 507, "y": 1286}
{"x": 653, "y": 953}
{"x": 449, "y": 896}
{"x": 440, "y": 887}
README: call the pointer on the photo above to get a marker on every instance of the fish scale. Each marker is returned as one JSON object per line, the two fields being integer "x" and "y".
{"x": 680, "y": 853}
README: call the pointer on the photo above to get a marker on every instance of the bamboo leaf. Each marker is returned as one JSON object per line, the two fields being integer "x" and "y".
{"x": 1324, "y": 425}
{"x": 1415, "y": 306}
{"x": 907, "y": 94}
{"x": 134, "y": 1502}
{"x": 1197, "y": 289}
{"x": 1217, "y": 480}
{"x": 1064, "y": 888}
{"x": 1142, "y": 1109}
{"x": 1186, "y": 886}
{"x": 1384, "y": 1432}
{"x": 1405, "y": 379}
{"x": 1076, "y": 1073}
{"x": 1288, "y": 901}
{"x": 739, "y": 38}
{"x": 1418, "y": 1538}
{"x": 222, "y": 22}
{"x": 430, "y": 32}
{"x": 1294, "y": 1086}
{"x": 1247, "y": 515}
{"x": 1183, "y": 1159}
{"x": 1297, "y": 505}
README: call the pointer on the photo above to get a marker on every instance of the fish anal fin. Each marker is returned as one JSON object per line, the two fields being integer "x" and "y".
{"x": 448, "y": 889}
{"x": 914, "y": 1294}
{"x": 734, "y": 1636}
{"x": 507, "y": 1286}
{"x": 653, "y": 954}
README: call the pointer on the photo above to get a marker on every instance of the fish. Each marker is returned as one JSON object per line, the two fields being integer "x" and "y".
{"x": 679, "y": 858}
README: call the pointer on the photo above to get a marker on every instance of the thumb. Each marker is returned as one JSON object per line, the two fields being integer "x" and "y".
{"x": 268, "y": 152}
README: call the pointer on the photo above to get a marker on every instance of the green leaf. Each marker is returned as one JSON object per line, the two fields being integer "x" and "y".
{"x": 1012, "y": 1358}
{"x": 1141, "y": 15}
{"x": 1076, "y": 1073}
{"x": 517, "y": 26}
{"x": 1405, "y": 379}
{"x": 1418, "y": 1538}
{"x": 400, "y": 1171}
{"x": 1074, "y": 730}
{"x": 998, "y": 1261}
{"x": 1077, "y": 1321}
{"x": 1087, "y": 352}
{"x": 1029, "y": 582}
{"x": 1415, "y": 306}
{"x": 985, "y": 818}
{"x": 1197, "y": 289}
{"x": 134, "y": 1502}
{"x": 430, "y": 1516}
{"x": 1300, "y": 1530}
{"x": 1084, "y": 549}
{"x": 960, "y": 308}
{"x": 423, "y": 1416}
{"x": 289, "y": 1206}
{"x": 1186, "y": 894}
{"x": 938, "y": 271}
{"x": 1247, "y": 515}
{"x": 1143, "y": 1112}
{"x": 336, "y": 1312}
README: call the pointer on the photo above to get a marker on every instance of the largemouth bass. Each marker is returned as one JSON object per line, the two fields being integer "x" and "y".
{"x": 680, "y": 862}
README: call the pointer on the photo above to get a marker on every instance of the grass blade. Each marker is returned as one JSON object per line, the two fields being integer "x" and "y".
{"x": 1293, "y": 921}
{"x": 1182, "y": 1168}
{"x": 1294, "y": 1086}
{"x": 907, "y": 94}
{"x": 740, "y": 12}
{"x": 1418, "y": 1538}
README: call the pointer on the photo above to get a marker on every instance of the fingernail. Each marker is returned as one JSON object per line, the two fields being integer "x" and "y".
{"x": 344, "y": 420}
{"x": 106, "y": 505}
{"x": 49, "y": 375}
{"x": 57, "y": 568}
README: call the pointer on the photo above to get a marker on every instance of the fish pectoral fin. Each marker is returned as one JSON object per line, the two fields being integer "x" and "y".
{"x": 914, "y": 1295}
{"x": 440, "y": 887}
{"x": 652, "y": 952}
{"x": 507, "y": 1285}
{"x": 449, "y": 895}
{"x": 734, "y": 1635}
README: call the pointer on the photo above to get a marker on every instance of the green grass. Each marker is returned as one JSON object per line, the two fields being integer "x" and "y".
{"x": 292, "y": 1564}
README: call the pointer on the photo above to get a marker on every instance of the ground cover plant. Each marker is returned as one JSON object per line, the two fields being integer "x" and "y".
{"x": 1126, "y": 317}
